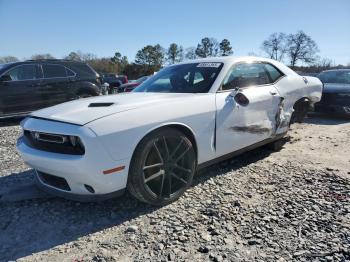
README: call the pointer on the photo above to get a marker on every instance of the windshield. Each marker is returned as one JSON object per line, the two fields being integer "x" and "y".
{"x": 338, "y": 77}
{"x": 141, "y": 79}
{"x": 183, "y": 78}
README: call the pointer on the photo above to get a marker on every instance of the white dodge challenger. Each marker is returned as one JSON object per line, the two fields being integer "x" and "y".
{"x": 153, "y": 140}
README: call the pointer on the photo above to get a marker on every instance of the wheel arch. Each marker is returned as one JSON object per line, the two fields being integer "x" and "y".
{"x": 185, "y": 129}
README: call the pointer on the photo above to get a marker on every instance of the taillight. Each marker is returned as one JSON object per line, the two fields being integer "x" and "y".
{"x": 126, "y": 79}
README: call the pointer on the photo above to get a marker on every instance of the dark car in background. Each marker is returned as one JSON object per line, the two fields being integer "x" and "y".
{"x": 114, "y": 81}
{"x": 128, "y": 87}
{"x": 336, "y": 92}
{"x": 35, "y": 84}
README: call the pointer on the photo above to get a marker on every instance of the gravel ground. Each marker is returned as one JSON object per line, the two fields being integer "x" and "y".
{"x": 291, "y": 205}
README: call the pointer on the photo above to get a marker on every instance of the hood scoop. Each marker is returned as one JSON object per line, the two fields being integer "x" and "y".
{"x": 100, "y": 104}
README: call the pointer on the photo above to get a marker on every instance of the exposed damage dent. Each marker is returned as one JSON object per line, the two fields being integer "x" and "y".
{"x": 280, "y": 117}
{"x": 253, "y": 129}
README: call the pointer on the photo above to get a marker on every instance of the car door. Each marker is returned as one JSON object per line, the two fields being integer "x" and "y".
{"x": 19, "y": 90}
{"x": 56, "y": 85}
{"x": 247, "y": 108}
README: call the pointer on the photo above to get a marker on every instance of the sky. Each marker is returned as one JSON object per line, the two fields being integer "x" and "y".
{"x": 103, "y": 27}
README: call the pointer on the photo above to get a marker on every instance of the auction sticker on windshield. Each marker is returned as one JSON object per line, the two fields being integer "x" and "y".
{"x": 216, "y": 65}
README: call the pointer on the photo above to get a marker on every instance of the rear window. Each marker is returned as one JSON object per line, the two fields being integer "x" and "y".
{"x": 52, "y": 71}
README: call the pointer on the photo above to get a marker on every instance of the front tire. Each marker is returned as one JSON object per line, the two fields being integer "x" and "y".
{"x": 162, "y": 167}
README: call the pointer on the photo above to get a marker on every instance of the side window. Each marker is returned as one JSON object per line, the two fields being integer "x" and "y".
{"x": 198, "y": 77}
{"x": 23, "y": 72}
{"x": 274, "y": 73}
{"x": 69, "y": 72}
{"x": 244, "y": 75}
{"x": 51, "y": 71}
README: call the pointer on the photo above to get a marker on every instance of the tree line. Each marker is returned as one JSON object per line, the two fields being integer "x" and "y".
{"x": 288, "y": 48}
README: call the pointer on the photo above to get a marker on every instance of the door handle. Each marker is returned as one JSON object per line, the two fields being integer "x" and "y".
{"x": 273, "y": 93}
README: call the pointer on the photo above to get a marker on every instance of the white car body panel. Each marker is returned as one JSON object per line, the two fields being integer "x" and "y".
{"x": 110, "y": 134}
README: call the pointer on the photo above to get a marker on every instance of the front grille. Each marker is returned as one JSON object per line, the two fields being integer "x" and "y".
{"x": 54, "y": 143}
{"x": 54, "y": 181}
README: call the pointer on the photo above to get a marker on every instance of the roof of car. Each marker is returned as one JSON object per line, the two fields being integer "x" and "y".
{"x": 332, "y": 70}
{"x": 224, "y": 59}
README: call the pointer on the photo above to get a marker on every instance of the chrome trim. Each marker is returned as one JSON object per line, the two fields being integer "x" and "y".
{"x": 36, "y": 135}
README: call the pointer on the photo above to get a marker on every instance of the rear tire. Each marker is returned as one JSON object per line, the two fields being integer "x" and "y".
{"x": 162, "y": 167}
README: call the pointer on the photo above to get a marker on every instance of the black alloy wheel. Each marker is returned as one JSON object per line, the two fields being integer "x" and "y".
{"x": 162, "y": 167}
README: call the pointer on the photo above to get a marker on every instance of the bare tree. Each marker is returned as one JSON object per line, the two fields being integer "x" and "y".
{"x": 301, "y": 47}
{"x": 8, "y": 59}
{"x": 190, "y": 53}
{"x": 325, "y": 63}
{"x": 251, "y": 53}
{"x": 175, "y": 53}
{"x": 275, "y": 46}
{"x": 208, "y": 47}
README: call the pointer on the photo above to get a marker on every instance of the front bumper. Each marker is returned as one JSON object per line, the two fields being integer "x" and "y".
{"x": 81, "y": 172}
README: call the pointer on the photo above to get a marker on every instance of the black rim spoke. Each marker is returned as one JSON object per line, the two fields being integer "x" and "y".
{"x": 166, "y": 147}
{"x": 182, "y": 168}
{"x": 182, "y": 155}
{"x": 154, "y": 176}
{"x": 169, "y": 184}
{"x": 152, "y": 166}
{"x": 161, "y": 187}
{"x": 158, "y": 153}
{"x": 178, "y": 178}
{"x": 177, "y": 148}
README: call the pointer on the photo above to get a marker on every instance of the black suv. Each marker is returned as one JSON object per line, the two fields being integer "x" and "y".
{"x": 34, "y": 84}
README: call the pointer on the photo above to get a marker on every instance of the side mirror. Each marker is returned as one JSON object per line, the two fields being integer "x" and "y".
{"x": 4, "y": 78}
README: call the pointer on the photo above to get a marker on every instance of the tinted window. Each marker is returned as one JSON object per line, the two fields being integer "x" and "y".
{"x": 51, "y": 71}
{"x": 338, "y": 77}
{"x": 69, "y": 72}
{"x": 184, "y": 78}
{"x": 274, "y": 73}
{"x": 246, "y": 74}
{"x": 23, "y": 72}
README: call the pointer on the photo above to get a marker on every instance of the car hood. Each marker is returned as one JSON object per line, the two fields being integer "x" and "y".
{"x": 83, "y": 111}
{"x": 336, "y": 88}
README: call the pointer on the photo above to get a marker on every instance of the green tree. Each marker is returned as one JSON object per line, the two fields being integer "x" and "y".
{"x": 208, "y": 47}
{"x": 151, "y": 57}
{"x": 301, "y": 47}
{"x": 175, "y": 53}
{"x": 226, "y": 48}
{"x": 120, "y": 61}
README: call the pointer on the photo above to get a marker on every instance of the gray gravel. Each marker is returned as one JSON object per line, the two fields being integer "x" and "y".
{"x": 251, "y": 208}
